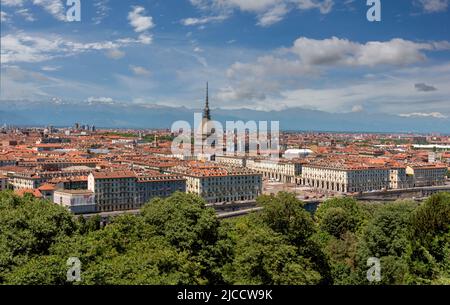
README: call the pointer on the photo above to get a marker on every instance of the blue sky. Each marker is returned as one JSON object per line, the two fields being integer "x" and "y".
{"x": 259, "y": 54}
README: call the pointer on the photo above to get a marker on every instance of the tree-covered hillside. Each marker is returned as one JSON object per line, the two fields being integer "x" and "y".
{"x": 179, "y": 241}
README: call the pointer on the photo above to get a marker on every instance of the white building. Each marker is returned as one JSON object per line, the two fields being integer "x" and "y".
{"x": 297, "y": 153}
{"x": 345, "y": 178}
{"x": 218, "y": 184}
{"x": 77, "y": 201}
{"x": 282, "y": 170}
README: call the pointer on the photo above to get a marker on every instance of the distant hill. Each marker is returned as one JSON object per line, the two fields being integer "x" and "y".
{"x": 122, "y": 115}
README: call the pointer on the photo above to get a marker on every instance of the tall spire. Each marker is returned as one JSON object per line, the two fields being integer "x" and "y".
{"x": 206, "y": 111}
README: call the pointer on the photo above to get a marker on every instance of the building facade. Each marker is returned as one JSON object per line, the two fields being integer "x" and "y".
{"x": 427, "y": 174}
{"x": 3, "y": 182}
{"x": 126, "y": 190}
{"x": 232, "y": 161}
{"x": 346, "y": 179}
{"x": 77, "y": 201}
{"x": 217, "y": 184}
{"x": 282, "y": 170}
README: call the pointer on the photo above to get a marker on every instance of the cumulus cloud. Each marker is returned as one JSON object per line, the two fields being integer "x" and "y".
{"x": 424, "y": 87}
{"x": 145, "y": 38}
{"x": 336, "y": 51}
{"x": 139, "y": 21}
{"x": 310, "y": 57}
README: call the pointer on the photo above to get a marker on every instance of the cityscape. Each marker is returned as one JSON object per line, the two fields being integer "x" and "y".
{"x": 229, "y": 148}
{"x": 91, "y": 170}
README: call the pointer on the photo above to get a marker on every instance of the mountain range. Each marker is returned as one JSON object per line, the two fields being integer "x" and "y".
{"x": 123, "y": 115}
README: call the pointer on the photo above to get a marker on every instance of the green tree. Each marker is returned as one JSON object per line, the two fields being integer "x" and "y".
{"x": 188, "y": 225}
{"x": 263, "y": 256}
{"x": 39, "y": 270}
{"x": 28, "y": 227}
{"x": 386, "y": 237}
{"x": 285, "y": 214}
{"x": 339, "y": 215}
{"x": 430, "y": 234}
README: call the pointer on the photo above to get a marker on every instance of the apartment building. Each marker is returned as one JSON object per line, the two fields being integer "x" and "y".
{"x": 34, "y": 179}
{"x": 281, "y": 170}
{"x": 7, "y": 161}
{"x": 220, "y": 184}
{"x": 126, "y": 190}
{"x": 239, "y": 161}
{"x": 425, "y": 174}
{"x": 3, "y": 182}
{"x": 341, "y": 177}
{"x": 398, "y": 179}
{"x": 77, "y": 201}
{"x": 57, "y": 165}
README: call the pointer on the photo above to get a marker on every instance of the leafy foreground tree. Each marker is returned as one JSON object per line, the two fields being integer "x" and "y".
{"x": 178, "y": 240}
{"x": 275, "y": 246}
{"x": 28, "y": 228}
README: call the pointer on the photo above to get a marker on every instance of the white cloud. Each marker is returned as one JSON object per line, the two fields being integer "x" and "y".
{"x": 4, "y": 17}
{"x": 102, "y": 10}
{"x": 138, "y": 21}
{"x": 37, "y": 48}
{"x": 436, "y": 115}
{"x": 267, "y": 12}
{"x": 335, "y": 51}
{"x": 25, "y": 13}
{"x": 273, "y": 15}
{"x": 12, "y": 2}
{"x": 140, "y": 71}
{"x": 309, "y": 58}
{"x": 294, "y": 77}
{"x": 100, "y": 100}
{"x": 203, "y": 20}
{"x": 433, "y": 6}
{"x": 145, "y": 38}
{"x": 54, "y": 7}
